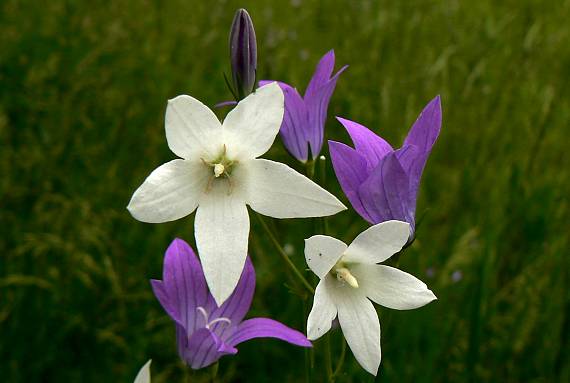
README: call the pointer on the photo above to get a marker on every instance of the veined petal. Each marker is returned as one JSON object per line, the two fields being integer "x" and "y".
{"x": 324, "y": 309}
{"x": 378, "y": 243}
{"x": 276, "y": 190}
{"x": 250, "y": 128}
{"x": 267, "y": 328}
{"x": 360, "y": 326}
{"x": 237, "y": 305}
{"x": 143, "y": 375}
{"x": 425, "y": 130}
{"x": 386, "y": 193}
{"x": 191, "y": 128}
{"x": 351, "y": 172}
{"x": 221, "y": 228}
{"x": 170, "y": 192}
{"x": 322, "y": 253}
{"x": 391, "y": 287}
{"x": 183, "y": 281}
{"x": 171, "y": 308}
{"x": 317, "y": 104}
{"x": 322, "y": 73}
{"x": 367, "y": 143}
{"x": 205, "y": 348}
{"x": 294, "y": 129}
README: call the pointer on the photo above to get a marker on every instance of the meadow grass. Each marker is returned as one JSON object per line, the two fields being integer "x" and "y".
{"x": 83, "y": 90}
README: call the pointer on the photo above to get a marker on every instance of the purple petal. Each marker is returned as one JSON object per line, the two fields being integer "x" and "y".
{"x": 294, "y": 127}
{"x": 425, "y": 130}
{"x": 225, "y": 103}
{"x": 321, "y": 75}
{"x": 367, "y": 143}
{"x": 385, "y": 194}
{"x": 317, "y": 104}
{"x": 267, "y": 328}
{"x": 350, "y": 169}
{"x": 162, "y": 296}
{"x": 204, "y": 348}
{"x": 412, "y": 161}
{"x": 184, "y": 283}
{"x": 237, "y": 305}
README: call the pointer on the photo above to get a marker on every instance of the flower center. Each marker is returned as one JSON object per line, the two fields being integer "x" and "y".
{"x": 343, "y": 274}
{"x": 210, "y": 323}
{"x": 221, "y": 167}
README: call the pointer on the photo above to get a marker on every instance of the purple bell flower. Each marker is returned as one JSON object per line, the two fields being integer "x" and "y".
{"x": 204, "y": 331}
{"x": 382, "y": 183}
{"x": 243, "y": 53}
{"x": 303, "y": 124}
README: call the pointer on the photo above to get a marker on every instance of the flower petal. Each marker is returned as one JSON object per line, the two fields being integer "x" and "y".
{"x": 205, "y": 348}
{"x": 169, "y": 193}
{"x": 237, "y": 305}
{"x": 360, "y": 325}
{"x": 425, "y": 130}
{"x": 171, "y": 308}
{"x": 378, "y": 243}
{"x": 143, "y": 375}
{"x": 191, "y": 128}
{"x": 221, "y": 228}
{"x": 350, "y": 170}
{"x": 324, "y": 309}
{"x": 386, "y": 193}
{"x": 267, "y": 328}
{"x": 184, "y": 283}
{"x": 322, "y": 252}
{"x": 252, "y": 125}
{"x": 391, "y": 287}
{"x": 322, "y": 74}
{"x": 276, "y": 190}
{"x": 369, "y": 145}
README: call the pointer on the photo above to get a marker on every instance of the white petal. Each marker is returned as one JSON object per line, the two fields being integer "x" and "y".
{"x": 144, "y": 373}
{"x": 251, "y": 127}
{"x": 276, "y": 190}
{"x": 323, "y": 312}
{"x": 170, "y": 192}
{"x": 391, "y": 287}
{"x": 192, "y": 130}
{"x": 322, "y": 252}
{"x": 378, "y": 243}
{"x": 360, "y": 325}
{"x": 221, "y": 229}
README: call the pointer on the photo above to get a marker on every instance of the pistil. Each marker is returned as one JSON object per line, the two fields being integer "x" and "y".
{"x": 343, "y": 274}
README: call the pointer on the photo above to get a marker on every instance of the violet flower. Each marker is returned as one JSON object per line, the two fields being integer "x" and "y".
{"x": 382, "y": 183}
{"x": 303, "y": 124}
{"x": 205, "y": 331}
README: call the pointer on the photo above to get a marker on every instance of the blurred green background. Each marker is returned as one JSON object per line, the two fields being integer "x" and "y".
{"x": 83, "y": 90}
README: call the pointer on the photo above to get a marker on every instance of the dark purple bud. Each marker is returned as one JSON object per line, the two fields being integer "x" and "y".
{"x": 243, "y": 54}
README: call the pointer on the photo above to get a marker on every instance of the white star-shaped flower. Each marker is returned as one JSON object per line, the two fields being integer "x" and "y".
{"x": 219, "y": 174}
{"x": 350, "y": 277}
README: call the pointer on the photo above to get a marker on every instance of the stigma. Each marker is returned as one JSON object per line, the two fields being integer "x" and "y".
{"x": 343, "y": 274}
{"x": 219, "y": 170}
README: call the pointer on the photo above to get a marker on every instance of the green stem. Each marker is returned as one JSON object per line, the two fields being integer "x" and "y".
{"x": 284, "y": 255}
{"x": 340, "y": 360}
{"x": 328, "y": 360}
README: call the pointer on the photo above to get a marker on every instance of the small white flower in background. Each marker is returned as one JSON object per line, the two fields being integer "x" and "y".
{"x": 219, "y": 174}
{"x": 350, "y": 278}
{"x": 144, "y": 373}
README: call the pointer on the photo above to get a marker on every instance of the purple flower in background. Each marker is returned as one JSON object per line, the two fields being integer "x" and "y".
{"x": 204, "y": 331}
{"x": 303, "y": 124}
{"x": 243, "y": 54}
{"x": 382, "y": 183}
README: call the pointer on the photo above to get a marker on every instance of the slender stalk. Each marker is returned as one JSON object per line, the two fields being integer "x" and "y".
{"x": 328, "y": 360}
{"x": 340, "y": 361}
{"x": 214, "y": 371}
{"x": 284, "y": 255}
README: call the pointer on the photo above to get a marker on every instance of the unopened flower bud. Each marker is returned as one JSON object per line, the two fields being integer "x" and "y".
{"x": 243, "y": 54}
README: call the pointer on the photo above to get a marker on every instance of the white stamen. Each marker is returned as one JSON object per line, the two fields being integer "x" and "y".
{"x": 218, "y": 170}
{"x": 217, "y": 320}
{"x": 343, "y": 274}
{"x": 204, "y": 313}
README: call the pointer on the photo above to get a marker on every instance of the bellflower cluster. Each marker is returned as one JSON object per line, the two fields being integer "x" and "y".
{"x": 382, "y": 183}
{"x": 219, "y": 173}
{"x": 303, "y": 125}
{"x": 206, "y": 331}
